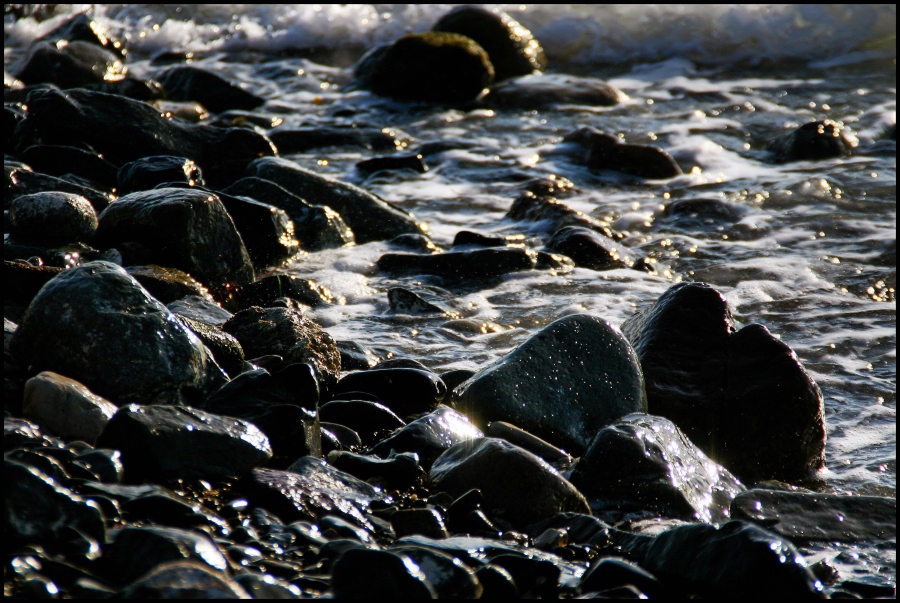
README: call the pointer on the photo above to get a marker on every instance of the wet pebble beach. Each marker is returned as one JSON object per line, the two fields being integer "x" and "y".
{"x": 450, "y": 301}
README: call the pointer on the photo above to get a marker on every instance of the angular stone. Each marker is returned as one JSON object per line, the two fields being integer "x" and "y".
{"x": 406, "y": 391}
{"x": 267, "y": 290}
{"x": 530, "y": 442}
{"x": 66, "y": 407}
{"x": 646, "y": 462}
{"x": 506, "y": 475}
{"x": 225, "y": 349}
{"x": 427, "y": 522}
{"x": 170, "y": 442}
{"x": 613, "y": 572}
{"x": 96, "y": 324}
{"x": 70, "y": 65}
{"x": 429, "y": 436}
{"x": 167, "y": 284}
{"x": 59, "y": 160}
{"x": 267, "y": 231}
{"x": 52, "y": 218}
{"x": 811, "y": 516}
{"x": 545, "y": 91}
{"x": 399, "y": 471}
{"x": 201, "y": 309}
{"x": 135, "y": 551}
{"x": 184, "y": 580}
{"x": 573, "y": 378}
{"x": 404, "y": 301}
{"x": 184, "y": 228}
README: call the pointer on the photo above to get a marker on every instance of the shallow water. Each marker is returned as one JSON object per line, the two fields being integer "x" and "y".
{"x": 813, "y": 258}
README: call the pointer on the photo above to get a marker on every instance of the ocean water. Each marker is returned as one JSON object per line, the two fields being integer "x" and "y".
{"x": 813, "y": 258}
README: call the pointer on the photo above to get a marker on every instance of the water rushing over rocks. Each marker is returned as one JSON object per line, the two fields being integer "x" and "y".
{"x": 450, "y": 302}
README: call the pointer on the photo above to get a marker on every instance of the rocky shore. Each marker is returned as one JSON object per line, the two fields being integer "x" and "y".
{"x": 177, "y": 426}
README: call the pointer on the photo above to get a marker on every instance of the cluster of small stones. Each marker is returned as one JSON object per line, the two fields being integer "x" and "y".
{"x": 175, "y": 425}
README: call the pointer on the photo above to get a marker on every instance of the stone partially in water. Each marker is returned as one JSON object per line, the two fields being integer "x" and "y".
{"x": 552, "y": 214}
{"x": 184, "y": 580}
{"x": 184, "y": 228}
{"x": 404, "y": 301}
{"x": 545, "y": 91}
{"x": 607, "y": 152}
{"x": 811, "y": 516}
{"x": 573, "y": 378}
{"x": 460, "y": 265}
{"x": 816, "y": 140}
{"x": 96, "y": 324}
{"x": 72, "y": 64}
{"x": 645, "y": 462}
{"x": 66, "y": 407}
{"x": 171, "y": 442}
{"x": 52, "y": 218}
{"x": 506, "y": 475}
{"x": 429, "y": 436}
{"x": 589, "y": 249}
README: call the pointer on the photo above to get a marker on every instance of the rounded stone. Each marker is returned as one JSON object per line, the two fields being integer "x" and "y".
{"x": 52, "y": 218}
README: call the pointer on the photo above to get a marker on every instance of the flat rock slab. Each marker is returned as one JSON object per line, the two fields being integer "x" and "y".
{"x": 803, "y": 516}
{"x": 170, "y": 442}
{"x": 567, "y": 382}
{"x": 644, "y": 461}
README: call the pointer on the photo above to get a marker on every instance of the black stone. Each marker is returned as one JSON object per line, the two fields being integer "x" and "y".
{"x": 450, "y": 578}
{"x": 148, "y": 172}
{"x": 429, "y": 436}
{"x": 589, "y": 249}
{"x": 225, "y": 349}
{"x": 391, "y": 163}
{"x": 496, "y": 583}
{"x": 607, "y": 152}
{"x": 299, "y": 140}
{"x": 529, "y": 207}
{"x": 70, "y": 65}
{"x": 362, "y": 416}
{"x": 399, "y": 471}
{"x": 546, "y": 91}
{"x": 368, "y": 574}
{"x": 813, "y": 141}
{"x": 184, "y": 580}
{"x": 460, "y": 265}
{"x": 167, "y": 284}
{"x": 613, "y": 572}
{"x": 535, "y": 578}
{"x": 346, "y": 438}
{"x": 20, "y": 182}
{"x": 427, "y": 522}
{"x": 267, "y": 290}
{"x": 406, "y": 391}
{"x": 52, "y": 219}
{"x": 58, "y": 160}
{"x": 186, "y": 83}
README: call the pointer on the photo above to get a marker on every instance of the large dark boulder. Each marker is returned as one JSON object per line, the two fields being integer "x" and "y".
{"x": 370, "y": 217}
{"x": 567, "y": 382}
{"x": 507, "y": 477}
{"x": 183, "y": 228}
{"x": 815, "y": 140}
{"x": 510, "y": 46}
{"x": 96, "y": 324}
{"x": 70, "y": 64}
{"x": 646, "y": 462}
{"x": 433, "y": 67}
{"x": 742, "y": 396}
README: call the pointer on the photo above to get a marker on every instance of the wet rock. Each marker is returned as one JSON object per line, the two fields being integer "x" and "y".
{"x": 723, "y": 388}
{"x": 816, "y": 140}
{"x": 607, "y": 152}
{"x": 406, "y": 391}
{"x": 267, "y": 290}
{"x": 514, "y": 435}
{"x": 511, "y": 47}
{"x": 429, "y": 67}
{"x": 506, "y": 475}
{"x": 36, "y": 458}
{"x": 579, "y": 528}
{"x": 186, "y": 83}
{"x": 574, "y": 377}
{"x": 496, "y": 583}
{"x": 362, "y": 416}
{"x": 427, "y": 522}
{"x": 554, "y": 214}
{"x": 289, "y": 334}
{"x": 368, "y": 574}
{"x": 299, "y": 140}
{"x": 170, "y": 442}
{"x": 52, "y": 218}
{"x": 429, "y": 436}
{"x": 267, "y": 231}
{"x": 459, "y": 265}
{"x": 455, "y": 378}
{"x": 225, "y": 349}
{"x": 308, "y": 490}
{"x": 167, "y": 284}
{"x": 738, "y": 560}
{"x": 588, "y": 249}
{"x": 66, "y": 407}
{"x": 404, "y": 301}
{"x": 399, "y": 471}
{"x": 148, "y": 172}
{"x": 135, "y": 551}
{"x": 70, "y": 65}
{"x": 545, "y": 91}
{"x": 267, "y": 587}
{"x": 58, "y": 160}
{"x": 185, "y": 229}
{"x": 417, "y": 243}
{"x": 201, "y": 309}
{"x": 535, "y": 578}
{"x": 706, "y": 211}
{"x": 106, "y": 464}
{"x": 96, "y": 324}
{"x": 392, "y": 163}
{"x": 344, "y": 437}
{"x": 371, "y": 218}
{"x": 645, "y": 462}
{"x": 184, "y": 580}
{"x": 21, "y": 182}
{"x": 22, "y": 433}
{"x": 449, "y": 576}
{"x": 257, "y": 389}
{"x": 39, "y": 510}
{"x": 82, "y": 27}
{"x": 808, "y": 516}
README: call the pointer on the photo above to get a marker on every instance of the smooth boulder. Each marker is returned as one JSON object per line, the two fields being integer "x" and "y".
{"x": 813, "y": 141}
{"x": 567, "y": 382}
{"x": 52, "y": 218}
{"x": 430, "y": 435}
{"x": 66, "y": 407}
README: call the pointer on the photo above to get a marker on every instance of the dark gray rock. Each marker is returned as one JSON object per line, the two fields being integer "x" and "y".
{"x": 167, "y": 284}
{"x": 81, "y": 27}
{"x": 70, "y": 65}
{"x": 607, "y": 152}
{"x": 553, "y": 214}
{"x": 406, "y": 391}
{"x": 184, "y": 228}
{"x": 186, "y": 83}
{"x": 39, "y": 510}
{"x": 21, "y": 182}
{"x": 511, "y": 47}
{"x": 506, "y": 475}
{"x": 148, "y": 172}
{"x": 558, "y": 459}
{"x": 225, "y": 349}
{"x": 816, "y": 140}
{"x": 741, "y": 397}
{"x": 106, "y": 464}
{"x": 427, "y": 522}
{"x": 365, "y": 417}
{"x": 417, "y": 243}
{"x": 404, "y": 301}
{"x": 460, "y": 265}
{"x": 170, "y": 442}
{"x": 496, "y": 583}
{"x": 545, "y": 91}
{"x": 316, "y": 227}
{"x": 370, "y": 217}
{"x": 433, "y": 67}
{"x": 589, "y": 249}
{"x": 267, "y": 587}
{"x": 52, "y": 218}
{"x": 298, "y": 140}
{"x": 269, "y": 289}
{"x": 201, "y": 309}
{"x": 136, "y": 551}
{"x": 21, "y": 433}
{"x": 568, "y": 381}
{"x": 184, "y": 580}
{"x": 415, "y": 163}
{"x": 289, "y": 334}
{"x": 96, "y": 324}
{"x": 450, "y": 577}
{"x": 429, "y": 436}
{"x": 646, "y": 462}
{"x": 399, "y": 471}
{"x": 579, "y": 528}
{"x": 739, "y": 560}
{"x": 368, "y": 574}
{"x": 344, "y": 437}
{"x": 59, "y": 160}
{"x": 66, "y": 407}
{"x": 810, "y": 516}
{"x": 706, "y": 211}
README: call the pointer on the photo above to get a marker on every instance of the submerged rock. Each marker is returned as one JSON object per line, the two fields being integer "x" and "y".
{"x": 589, "y": 249}
{"x": 606, "y": 152}
{"x": 404, "y": 301}
{"x": 743, "y": 397}
{"x": 645, "y": 462}
{"x": 96, "y": 324}
{"x": 66, "y": 407}
{"x": 52, "y": 218}
{"x": 812, "y": 141}
{"x": 511, "y": 47}
{"x": 506, "y": 475}
{"x": 573, "y": 378}
{"x": 429, "y": 436}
